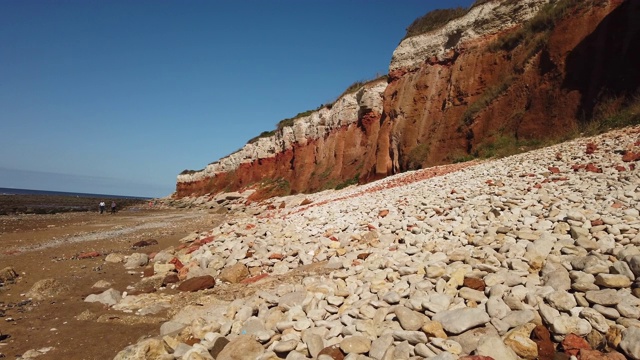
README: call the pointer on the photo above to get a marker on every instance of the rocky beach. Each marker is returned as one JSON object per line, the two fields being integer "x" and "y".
{"x": 533, "y": 256}
{"x": 49, "y": 263}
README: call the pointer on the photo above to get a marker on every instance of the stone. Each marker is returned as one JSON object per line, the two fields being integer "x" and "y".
{"x": 197, "y": 283}
{"x": 114, "y": 258}
{"x": 218, "y": 344}
{"x": 379, "y": 346}
{"x": 285, "y": 346}
{"x": 409, "y": 319}
{"x": 605, "y": 297}
{"x": 565, "y": 324}
{"x": 468, "y": 340}
{"x": 146, "y": 349}
{"x": 494, "y": 347}
{"x": 292, "y": 299}
{"x": 596, "y": 319}
{"x": 314, "y": 343}
{"x": 136, "y": 260}
{"x": 616, "y": 281}
{"x": 460, "y": 320}
{"x": 108, "y": 297}
{"x": 412, "y": 337}
{"x": 586, "y": 354}
{"x": 163, "y": 268}
{"x": 355, "y": 344}
{"x": 46, "y": 288}
{"x": 541, "y": 336}
{"x": 144, "y": 243}
{"x": 634, "y": 264}
{"x": 561, "y": 300}
{"x": 434, "y": 329}
{"x": 242, "y": 347}
{"x": 630, "y": 344}
{"x": 234, "y": 274}
{"x": 170, "y": 278}
{"x": 519, "y": 340}
{"x": 572, "y": 344}
{"x": 333, "y": 352}
{"x": 474, "y": 283}
{"x": 89, "y": 255}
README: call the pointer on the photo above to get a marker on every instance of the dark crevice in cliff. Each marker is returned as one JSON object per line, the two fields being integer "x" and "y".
{"x": 605, "y": 65}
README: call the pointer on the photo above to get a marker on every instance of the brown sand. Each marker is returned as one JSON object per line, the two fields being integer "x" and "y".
{"x": 46, "y": 246}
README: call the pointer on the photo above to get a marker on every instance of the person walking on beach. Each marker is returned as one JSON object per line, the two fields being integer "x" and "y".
{"x": 113, "y": 207}
{"x": 102, "y": 205}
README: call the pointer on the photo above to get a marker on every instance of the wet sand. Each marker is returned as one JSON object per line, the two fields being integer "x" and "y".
{"x": 49, "y": 247}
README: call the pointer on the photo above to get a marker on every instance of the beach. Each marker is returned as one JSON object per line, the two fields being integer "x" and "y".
{"x": 52, "y": 246}
{"x": 530, "y": 256}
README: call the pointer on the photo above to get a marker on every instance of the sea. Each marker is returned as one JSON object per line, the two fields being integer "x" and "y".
{"x": 10, "y": 191}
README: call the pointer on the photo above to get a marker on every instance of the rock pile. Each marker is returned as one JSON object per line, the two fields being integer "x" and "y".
{"x": 527, "y": 257}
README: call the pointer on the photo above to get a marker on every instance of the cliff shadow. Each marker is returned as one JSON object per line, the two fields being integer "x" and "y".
{"x": 606, "y": 64}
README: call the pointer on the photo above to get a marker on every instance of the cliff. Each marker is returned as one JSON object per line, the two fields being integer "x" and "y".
{"x": 505, "y": 75}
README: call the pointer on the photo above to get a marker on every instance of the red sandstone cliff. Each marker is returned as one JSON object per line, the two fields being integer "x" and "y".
{"x": 505, "y": 74}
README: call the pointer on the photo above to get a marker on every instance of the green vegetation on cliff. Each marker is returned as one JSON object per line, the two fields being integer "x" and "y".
{"x": 433, "y": 20}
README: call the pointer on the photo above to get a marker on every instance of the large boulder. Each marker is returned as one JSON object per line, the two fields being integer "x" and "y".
{"x": 234, "y": 274}
{"x": 198, "y": 283}
{"x": 46, "y": 288}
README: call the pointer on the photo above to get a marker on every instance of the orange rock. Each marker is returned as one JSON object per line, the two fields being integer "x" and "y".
{"x": 176, "y": 263}
{"x": 276, "y": 256}
{"x": 88, "y": 255}
{"x": 206, "y": 240}
{"x": 192, "y": 248}
{"x": 546, "y": 349}
{"x": 474, "y": 283}
{"x": 630, "y": 156}
{"x": 592, "y": 168}
{"x": 332, "y": 351}
{"x": 383, "y": 213}
{"x": 572, "y": 344}
{"x": 198, "y": 283}
{"x": 183, "y": 272}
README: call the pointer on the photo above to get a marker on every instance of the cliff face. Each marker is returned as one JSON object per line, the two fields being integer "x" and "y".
{"x": 500, "y": 75}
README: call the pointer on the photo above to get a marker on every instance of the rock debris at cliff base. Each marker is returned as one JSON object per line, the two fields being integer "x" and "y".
{"x": 520, "y": 257}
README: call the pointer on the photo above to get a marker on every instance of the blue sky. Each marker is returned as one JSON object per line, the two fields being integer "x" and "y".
{"x": 118, "y": 97}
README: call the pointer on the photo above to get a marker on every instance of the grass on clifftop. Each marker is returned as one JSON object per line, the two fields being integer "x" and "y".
{"x": 543, "y": 22}
{"x": 433, "y": 20}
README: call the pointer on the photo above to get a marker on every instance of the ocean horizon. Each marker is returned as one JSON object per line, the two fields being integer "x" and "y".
{"x": 12, "y": 191}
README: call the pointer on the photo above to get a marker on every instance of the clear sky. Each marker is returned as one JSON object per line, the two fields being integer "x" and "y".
{"x": 118, "y": 97}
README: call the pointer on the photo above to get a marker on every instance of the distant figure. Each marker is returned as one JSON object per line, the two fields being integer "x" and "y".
{"x": 102, "y": 205}
{"x": 113, "y": 207}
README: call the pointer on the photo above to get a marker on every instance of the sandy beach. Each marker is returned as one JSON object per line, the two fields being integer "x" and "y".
{"x": 52, "y": 246}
